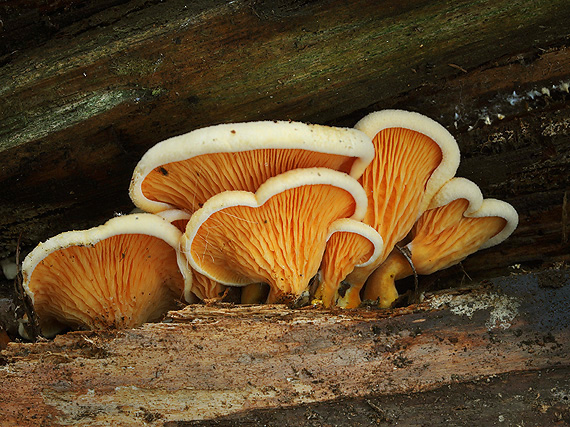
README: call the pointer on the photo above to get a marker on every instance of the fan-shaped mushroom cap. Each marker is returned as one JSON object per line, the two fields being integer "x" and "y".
{"x": 118, "y": 275}
{"x": 277, "y": 235}
{"x": 458, "y": 223}
{"x": 185, "y": 171}
{"x": 458, "y": 188}
{"x": 350, "y": 243}
{"x": 407, "y": 146}
{"x": 499, "y": 209}
{"x": 414, "y": 157}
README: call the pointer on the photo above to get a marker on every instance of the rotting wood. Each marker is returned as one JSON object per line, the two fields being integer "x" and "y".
{"x": 79, "y": 110}
{"x": 33, "y": 22}
{"x": 516, "y": 398}
{"x": 207, "y": 362}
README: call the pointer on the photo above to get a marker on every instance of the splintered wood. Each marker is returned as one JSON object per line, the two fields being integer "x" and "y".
{"x": 205, "y": 362}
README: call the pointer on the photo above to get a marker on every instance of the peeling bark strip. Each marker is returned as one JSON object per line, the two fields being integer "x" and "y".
{"x": 208, "y": 362}
{"x": 109, "y": 80}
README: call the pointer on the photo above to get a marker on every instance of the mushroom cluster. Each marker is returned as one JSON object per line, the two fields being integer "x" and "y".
{"x": 286, "y": 211}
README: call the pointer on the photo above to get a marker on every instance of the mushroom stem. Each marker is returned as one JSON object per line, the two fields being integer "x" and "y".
{"x": 334, "y": 271}
{"x": 350, "y": 299}
{"x": 325, "y": 293}
{"x": 351, "y": 243}
{"x": 381, "y": 284}
{"x": 277, "y": 296}
{"x": 254, "y": 293}
{"x": 351, "y": 296}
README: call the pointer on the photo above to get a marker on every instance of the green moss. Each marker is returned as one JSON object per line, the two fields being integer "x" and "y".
{"x": 136, "y": 66}
{"x": 39, "y": 123}
{"x": 157, "y": 91}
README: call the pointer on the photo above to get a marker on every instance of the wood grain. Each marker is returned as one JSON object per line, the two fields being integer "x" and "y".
{"x": 208, "y": 362}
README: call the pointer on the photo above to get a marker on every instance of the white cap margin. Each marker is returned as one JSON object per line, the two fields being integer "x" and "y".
{"x": 237, "y": 137}
{"x": 349, "y": 225}
{"x": 139, "y": 223}
{"x": 385, "y": 119}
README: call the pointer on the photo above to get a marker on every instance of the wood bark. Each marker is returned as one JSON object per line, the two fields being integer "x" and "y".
{"x": 209, "y": 362}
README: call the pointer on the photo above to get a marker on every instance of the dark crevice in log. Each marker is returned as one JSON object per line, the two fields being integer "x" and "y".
{"x": 517, "y": 398}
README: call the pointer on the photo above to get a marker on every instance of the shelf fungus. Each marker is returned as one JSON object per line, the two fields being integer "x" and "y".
{"x": 277, "y": 208}
{"x": 349, "y": 243}
{"x": 457, "y": 223}
{"x": 414, "y": 157}
{"x": 118, "y": 275}
{"x": 276, "y": 235}
{"x": 183, "y": 172}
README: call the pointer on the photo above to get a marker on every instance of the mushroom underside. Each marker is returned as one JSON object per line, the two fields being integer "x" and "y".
{"x": 442, "y": 237}
{"x": 189, "y": 183}
{"x": 280, "y": 242}
{"x": 344, "y": 250}
{"x": 120, "y": 282}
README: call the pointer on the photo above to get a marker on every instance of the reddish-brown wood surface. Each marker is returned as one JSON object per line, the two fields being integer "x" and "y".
{"x": 207, "y": 362}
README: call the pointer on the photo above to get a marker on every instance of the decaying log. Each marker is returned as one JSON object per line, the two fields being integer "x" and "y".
{"x": 210, "y": 362}
{"x": 85, "y": 91}
{"x": 516, "y": 398}
{"x": 84, "y": 98}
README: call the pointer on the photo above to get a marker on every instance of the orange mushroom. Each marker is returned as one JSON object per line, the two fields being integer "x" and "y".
{"x": 118, "y": 275}
{"x": 414, "y": 157}
{"x": 350, "y": 243}
{"x": 203, "y": 288}
{"x": 185, "y": 171}
{"x": 458, "y": 223}
{"x": 275, "y": 236}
